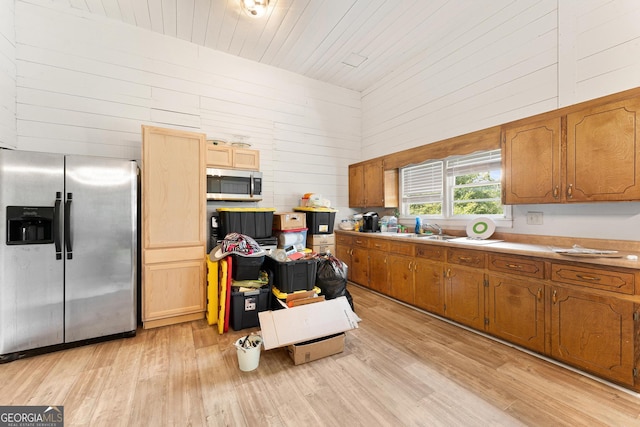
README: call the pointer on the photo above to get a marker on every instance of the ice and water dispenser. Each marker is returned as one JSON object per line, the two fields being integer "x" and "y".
{"x": 29, "y": 225}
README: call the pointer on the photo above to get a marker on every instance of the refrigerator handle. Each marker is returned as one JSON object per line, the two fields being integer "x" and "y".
{"x": 56, "y": 225}
{"x": 67, "y": 226}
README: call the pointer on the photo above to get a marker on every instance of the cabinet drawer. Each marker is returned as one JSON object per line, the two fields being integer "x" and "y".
{"x": 362, "y": 242}
{"x": 433, "y": 252}
{"x": 378, "y": 244}
{"x": 401, "y": 248}
{"x": 518, "y": 265}
{"x": 615, "y": 281}
{"x": 466, "y": 257}
{"x": 343, "y": 240}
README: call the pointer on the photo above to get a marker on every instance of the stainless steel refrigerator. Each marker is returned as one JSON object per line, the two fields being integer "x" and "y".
{"x": 68, "y": 250}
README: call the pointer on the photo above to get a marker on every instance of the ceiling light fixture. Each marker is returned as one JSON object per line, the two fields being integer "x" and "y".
{"x": 255, "y": 8}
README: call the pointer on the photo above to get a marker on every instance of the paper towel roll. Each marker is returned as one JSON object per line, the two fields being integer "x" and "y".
{"x": 292, "y": 238}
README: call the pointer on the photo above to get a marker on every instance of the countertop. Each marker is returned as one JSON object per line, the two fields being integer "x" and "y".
{"x": 540, "y": 247}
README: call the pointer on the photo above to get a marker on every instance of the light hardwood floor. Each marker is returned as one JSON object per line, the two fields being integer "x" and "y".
{"x": 400, "y": 367}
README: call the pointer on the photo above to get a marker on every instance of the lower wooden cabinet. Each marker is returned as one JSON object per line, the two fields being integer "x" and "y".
{"x": 353, "y": 251}
{"x": 516, "y": 311}
{"x": 429, "y": 278}
{"x": 173, "y": 289}
{"x": 464, "y": 296}
{"x": 401, "y": 272}
{"x": 594, "y": 333}
{"x": 379, "y": 266}
{"x": 360, "y": 260}
{"x": 584, "y": 315}
{"x": 464, "y": 287}
{"x": 343, "y": 252}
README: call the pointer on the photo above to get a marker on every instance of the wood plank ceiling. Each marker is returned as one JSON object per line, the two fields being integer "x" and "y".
{"x": 320, "y": 39}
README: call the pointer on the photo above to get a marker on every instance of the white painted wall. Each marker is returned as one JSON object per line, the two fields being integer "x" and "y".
{"x": 86, "y": 85}
{"x": 7, "y": 75}
{"x": 531, "y": 57}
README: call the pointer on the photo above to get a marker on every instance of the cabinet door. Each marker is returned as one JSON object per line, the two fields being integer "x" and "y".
{"x": 374, "y": 184}
{"x": 516, "y": 311}
{"x": 360, "y": 266}
{"x": 594, "y": 333}
{"x": 219, "y": 156}
{"x": 173, "y": 289}
{"x": 378, "y": 265}
{"x": 429, "y": 286}
{"x": 378, "y": 272}
{"x": 401, "y": 284}
{"x": 246, "y": 159}
{"x": 173, "y": 188}
{"x": 531, "y": 162}
{"x": 356, "y": 186}
{"x": 464, "y": 296}
{"x": 603, "y": 153}
{"x": 343, "y": 252}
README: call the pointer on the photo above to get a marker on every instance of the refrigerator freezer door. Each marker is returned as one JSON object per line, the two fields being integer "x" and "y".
{"x": 100, "y": 284}
{"x": 31, "y": 278}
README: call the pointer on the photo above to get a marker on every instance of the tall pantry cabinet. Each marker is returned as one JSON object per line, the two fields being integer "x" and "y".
{"x": 173, "y": 226}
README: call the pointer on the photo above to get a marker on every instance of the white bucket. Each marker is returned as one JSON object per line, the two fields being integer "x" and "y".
{"x": 249, "y": 354}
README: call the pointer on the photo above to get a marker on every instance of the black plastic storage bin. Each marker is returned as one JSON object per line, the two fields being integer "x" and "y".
{"x": 291, "y": 276}
{"x": 252, "y": 222}
{"x": 246, "y": 267}
{"x": 245, "y": 307}
{"x": 319, "y": 220}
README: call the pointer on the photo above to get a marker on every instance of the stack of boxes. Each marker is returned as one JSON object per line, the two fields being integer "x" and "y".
{"x": 290, "y": 274}
{"x": 247, "y": 301}
{"x": 320, "y": 221}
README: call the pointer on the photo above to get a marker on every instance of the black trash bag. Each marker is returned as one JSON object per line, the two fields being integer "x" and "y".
{"x": 331, "y": 278}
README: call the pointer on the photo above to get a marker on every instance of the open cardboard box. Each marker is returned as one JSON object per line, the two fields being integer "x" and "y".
{"x": 309, "y": 351}
{"x": 303, "y": 323}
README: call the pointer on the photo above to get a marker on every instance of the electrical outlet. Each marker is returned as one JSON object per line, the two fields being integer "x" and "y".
{"x": 534, "y": 218}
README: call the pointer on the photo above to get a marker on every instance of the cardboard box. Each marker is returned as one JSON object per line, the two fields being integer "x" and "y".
{"x": 320, "y": 239}
{"x": 322, "y": 249}
{"x": 295, "y": 325}
{"x": 289, "y": 221}
{"x": 316, "y": 349}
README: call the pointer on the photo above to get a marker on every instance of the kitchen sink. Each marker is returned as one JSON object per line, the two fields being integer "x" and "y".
{"x": 443, "y": 237}
{"x": 436, "y": 237}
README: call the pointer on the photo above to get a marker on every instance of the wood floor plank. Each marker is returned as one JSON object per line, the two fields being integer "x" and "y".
{"x": 400, "y": 367}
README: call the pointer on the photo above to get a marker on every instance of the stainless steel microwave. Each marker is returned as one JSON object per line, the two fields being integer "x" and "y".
{"x": 234, "y": 185}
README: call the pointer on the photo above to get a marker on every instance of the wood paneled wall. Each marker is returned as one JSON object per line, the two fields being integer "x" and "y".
{"x": 86, "y": 84}
{"x": 485, "y": 70}
{"x": 7, "y": 75}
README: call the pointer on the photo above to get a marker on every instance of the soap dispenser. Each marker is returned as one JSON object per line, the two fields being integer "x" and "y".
{"x": 418, "y": 229}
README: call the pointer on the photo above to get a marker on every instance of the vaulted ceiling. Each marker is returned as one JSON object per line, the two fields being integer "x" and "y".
{"x": 348, "y": 43}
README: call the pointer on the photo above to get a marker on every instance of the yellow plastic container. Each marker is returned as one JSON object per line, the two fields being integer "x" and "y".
{"x": 212, "y": 291}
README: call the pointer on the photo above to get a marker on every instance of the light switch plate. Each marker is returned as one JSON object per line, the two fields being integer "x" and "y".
{"x": 534, "y": 218}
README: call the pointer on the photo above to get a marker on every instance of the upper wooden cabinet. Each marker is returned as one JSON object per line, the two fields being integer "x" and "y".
{"x": 585, "y": 153}
{"x": 531, "y": 158}
{"x": 603, "y": 153}
{"x": 227, "y": 156}
{"x": 371, "y": 186}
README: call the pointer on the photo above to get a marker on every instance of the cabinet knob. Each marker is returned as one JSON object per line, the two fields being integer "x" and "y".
{"x": 514, "y": 266}
{"x": 570, "y": 191}
{"x": 556, "y": 192}
{"x": 539, "y": 294}
{"x": 554, "y": 296}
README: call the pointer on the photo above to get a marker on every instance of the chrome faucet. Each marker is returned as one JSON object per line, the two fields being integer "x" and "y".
{"x": 435, "y": 227}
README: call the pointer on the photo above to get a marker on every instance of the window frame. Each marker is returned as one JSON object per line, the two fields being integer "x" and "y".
{"x": 452, "y": 166}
